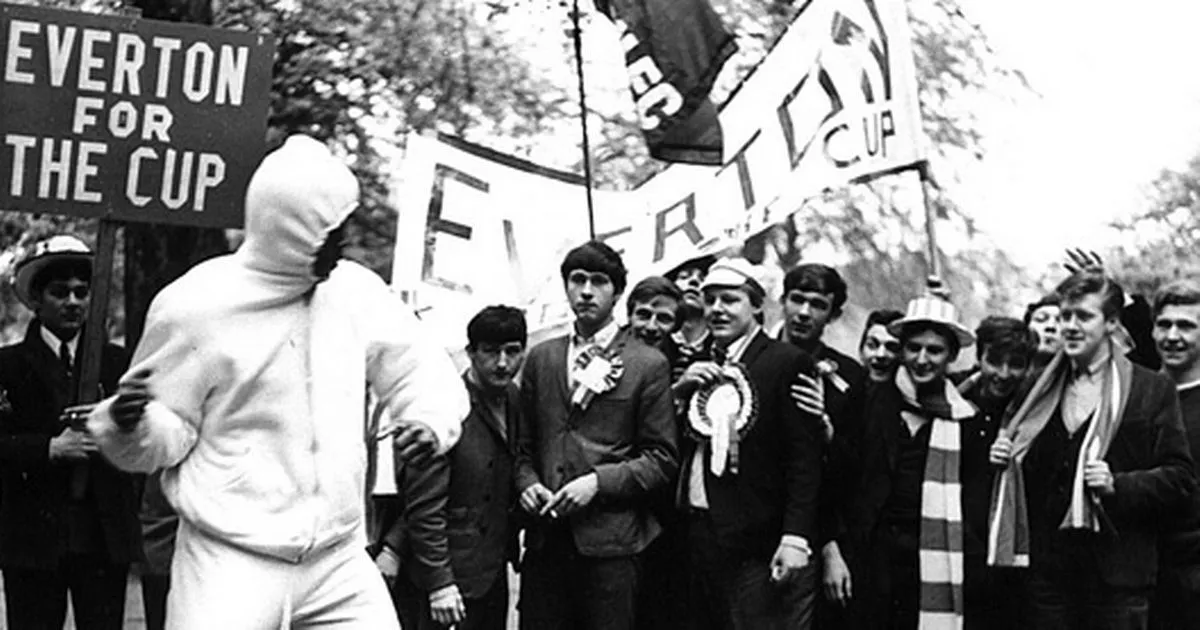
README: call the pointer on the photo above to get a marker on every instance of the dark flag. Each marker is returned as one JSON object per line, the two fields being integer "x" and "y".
{"x": 673, "y": 52}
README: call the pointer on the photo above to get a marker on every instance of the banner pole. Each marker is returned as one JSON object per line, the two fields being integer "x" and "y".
{"x": 934, "y": 264}
{"x": 587, "y": 152}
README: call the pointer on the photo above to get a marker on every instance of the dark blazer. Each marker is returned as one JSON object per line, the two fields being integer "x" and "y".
{"x": 472, "y": 485}
{"x": 1152, "y": 474}
{"x": 775, "y": 489}
{"x": 35, "y": 490}
{"x": 845, "y": 409}
{"x": 880, "y": 443}
{"x": 627, "y": 436}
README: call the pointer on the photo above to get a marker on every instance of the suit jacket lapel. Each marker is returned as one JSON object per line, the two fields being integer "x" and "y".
{"x": 558, "y": 367}
{"x": 46, "y": 364}
{"x": 479, "y": 406}
{"x": 754, "y": 348}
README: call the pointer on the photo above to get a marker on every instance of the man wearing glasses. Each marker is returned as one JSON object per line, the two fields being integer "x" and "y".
{"x": 68, "y": 520}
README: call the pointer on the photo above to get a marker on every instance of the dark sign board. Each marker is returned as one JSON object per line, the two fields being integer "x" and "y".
{"x": 129, "y": 119}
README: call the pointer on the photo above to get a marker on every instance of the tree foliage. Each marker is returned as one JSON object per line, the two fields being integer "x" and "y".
{"x": 1162, "y": 237}
{"x": 361, "y": 74}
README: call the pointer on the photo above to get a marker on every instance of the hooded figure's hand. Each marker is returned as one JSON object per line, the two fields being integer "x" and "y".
{"x": 132, "y": 396}
{"x": 415, "y": 443}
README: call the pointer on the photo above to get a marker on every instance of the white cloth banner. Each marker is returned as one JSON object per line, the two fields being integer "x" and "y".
{"x": 834, "y": 102}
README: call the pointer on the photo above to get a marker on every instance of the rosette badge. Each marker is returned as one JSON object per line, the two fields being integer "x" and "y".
{"x": 598, "y": 373}
{"x": 722, "y": 413}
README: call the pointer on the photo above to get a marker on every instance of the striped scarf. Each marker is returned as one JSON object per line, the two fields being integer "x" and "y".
{"x": 941, "y": 536}
{"x": 1008, "y": 530}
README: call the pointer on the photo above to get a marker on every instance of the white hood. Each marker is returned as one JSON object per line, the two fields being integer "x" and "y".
{"x": 298, "y": 195}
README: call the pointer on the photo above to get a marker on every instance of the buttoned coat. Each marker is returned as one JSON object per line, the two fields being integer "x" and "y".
{"x": 775, "y": 489}
{"x": 626, "y": 435}
{"x": 457, "y": 525}
{"x": 35, "y": 489}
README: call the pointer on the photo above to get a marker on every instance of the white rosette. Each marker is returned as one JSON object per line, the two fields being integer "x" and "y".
{"x": 722, "y": 413}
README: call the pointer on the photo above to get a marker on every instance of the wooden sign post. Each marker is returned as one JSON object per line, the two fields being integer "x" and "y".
{"x": 120, "y": 119}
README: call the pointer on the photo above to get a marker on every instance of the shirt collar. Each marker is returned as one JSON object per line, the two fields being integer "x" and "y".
{"x": 55, "y": 343}
{"x": 682, "y": 341}
{"x": 737, "y": 347}
{"x": 602, "y": 338}
{"x": 1097, "y": 362}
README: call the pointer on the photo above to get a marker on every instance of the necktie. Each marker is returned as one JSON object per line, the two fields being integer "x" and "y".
{"x": 79, "y": 470}
{"x": 64, "y": 358}
{"x": 720, "y": 355}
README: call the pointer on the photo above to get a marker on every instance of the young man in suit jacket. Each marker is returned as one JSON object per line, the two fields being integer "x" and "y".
{"x": 1177, "y": 337}
{"x": 1097, "y": 456}
{"x": 750, "y": 486}
{"x": 596, "y": 441}
{"x": 453, "y": 542}
{"x": 68, "y": 520}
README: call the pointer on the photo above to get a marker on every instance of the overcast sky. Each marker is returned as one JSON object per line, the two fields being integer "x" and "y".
{"x": 1120, "y": 100}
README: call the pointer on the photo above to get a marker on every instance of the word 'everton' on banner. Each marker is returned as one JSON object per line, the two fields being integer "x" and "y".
{"x": 674, "y": 50}
{"x": 129, "y": 119}
{"x": 834, "y": 102}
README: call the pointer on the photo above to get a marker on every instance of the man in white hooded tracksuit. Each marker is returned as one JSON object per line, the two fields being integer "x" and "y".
{"x": 247, "y": 389}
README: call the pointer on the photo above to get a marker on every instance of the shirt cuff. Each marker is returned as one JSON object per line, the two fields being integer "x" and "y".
{"x": 795, "y": 542}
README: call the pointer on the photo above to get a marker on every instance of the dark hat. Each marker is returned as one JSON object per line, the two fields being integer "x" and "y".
{"x": 56, "y": 249}
{"x": 701, "y": 262}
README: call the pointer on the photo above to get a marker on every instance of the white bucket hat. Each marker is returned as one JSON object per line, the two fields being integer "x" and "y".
{"x": 733, "y": 272}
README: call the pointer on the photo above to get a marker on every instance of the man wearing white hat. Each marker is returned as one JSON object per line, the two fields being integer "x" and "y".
{"x": 909, "y": 531}
{"x": 751, "y": 470}
{"x": 68, "y": 520}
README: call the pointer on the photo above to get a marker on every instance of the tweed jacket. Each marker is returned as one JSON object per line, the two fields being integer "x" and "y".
{"x": 627, "y": 436}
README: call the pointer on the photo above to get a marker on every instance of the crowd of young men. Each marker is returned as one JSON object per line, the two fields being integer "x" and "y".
{"x": 686, "y": 470}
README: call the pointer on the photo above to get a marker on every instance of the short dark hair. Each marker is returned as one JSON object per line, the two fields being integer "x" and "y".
{"x": 819, "y": 278}
{"x": 912, "y": 329}
{"x": 649, "y": 288}
{"x": 882, "y": 317}
{"x": 597, "y": 257}
{"x": 1089, "y": 281}
{"x": 1000, "y": 336}
{"x": 497, "y": 324}
{"x": 1178, "y": 293}
{"x": 1049, "y": 300}
{"x": 72, "y": 269}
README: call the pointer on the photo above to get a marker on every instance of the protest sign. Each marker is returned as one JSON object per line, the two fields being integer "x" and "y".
{"x": 129, "y": 119}
{"x": 834, "y": 102}
{"x": 478, "y": 228}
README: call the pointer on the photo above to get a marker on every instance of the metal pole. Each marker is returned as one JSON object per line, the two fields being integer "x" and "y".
{"x": 933, "y": 254}
{"x": 587, "y": 152}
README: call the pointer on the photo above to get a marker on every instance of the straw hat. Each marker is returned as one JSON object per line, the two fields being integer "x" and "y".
{"x": 931, "y": 308}
{"x": 53, "y": 250}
